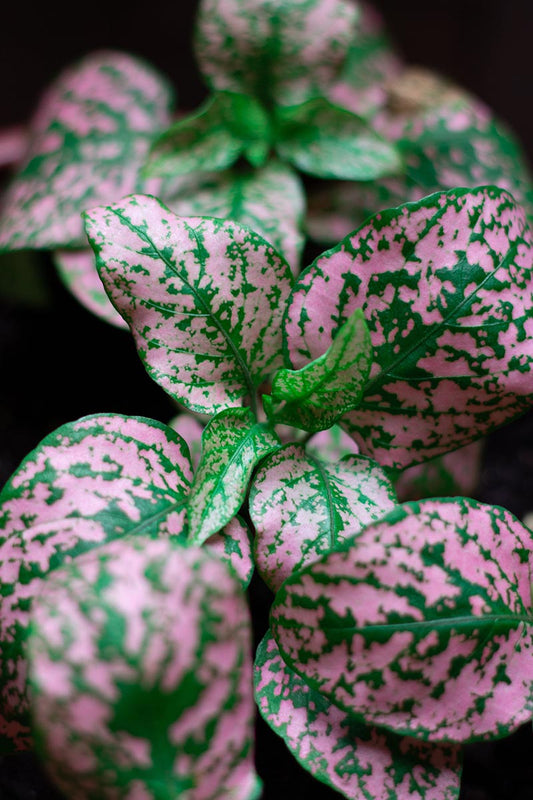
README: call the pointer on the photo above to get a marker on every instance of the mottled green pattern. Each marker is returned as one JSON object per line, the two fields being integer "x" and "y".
{"x": 315, "y": 397}
{"x": 330, "y": 142}
{"x": 203, "y": 298}
{"x": 269, "y": 200}
{"x": 226, "y": 126}
{"x": 359, "y": 761}
{"x": 232, "y": 445}
{"x": 278, "y": 52}
{"x": 141, "y": 678}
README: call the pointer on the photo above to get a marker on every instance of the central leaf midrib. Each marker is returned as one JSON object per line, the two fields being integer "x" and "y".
{"x": 323, "y": 476}
{"x": 198, "y": 297}
{"x": 435, "y": 624}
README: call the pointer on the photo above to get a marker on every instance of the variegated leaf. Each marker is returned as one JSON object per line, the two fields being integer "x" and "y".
{"x": 303, "y": 507}
{"x": 234, "y": 545}
{"x": 315, "y": 397}
{"x": 233, "y": 443}
{"x": 330, "y": 142}
{"x": 90, "y": 481}
{"x": 77, "y": 270}
{"x": 455, "y": 473}
{"x": 368, "y": 68}
{"x": 89, "y": 138}
{"x": 446, "y": 288}
{"x": 357, "y": 760}
{"x": 141, "y": 678}
{"x": 423, "y": 624}
{"x": 270, "y": 200}
{"x": 446, "y": 138}
{"x": 203, "y": 298}
{"x": 331, "y": 445}
{"x": 276, "y": 52}
{"x": 190, "y": 429}
{"x": 225, "y": 127}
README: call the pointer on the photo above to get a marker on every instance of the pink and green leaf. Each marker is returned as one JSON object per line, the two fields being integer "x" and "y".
{"x": 357, "y": 760}
{"x": 280, "y": 53}
{"x": 233, "y": 443}
{"x": 455, "y": 473}
{"x": 234, "y": 545}
{"x": 77, "y": 270}
{"x": 331, "y": 445}
{"x": 303, "y": 507}
{"x": 226, "y": 126}
{"x": 316, "y": 396}
{"x": 89, "y": 482}
{"x": 190, "y": 429}
{"x": 446, "y": 287}
{"x": 140, "y": 675}
{"x": 203, "y": 298}
{"x": 269, "y": 200}
{"x": 88, "y": 140}
{"x": 330, "y": 142}
{"x": 422, "y": 624}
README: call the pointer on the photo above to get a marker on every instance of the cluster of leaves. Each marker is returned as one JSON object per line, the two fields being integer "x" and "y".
{"x": 398, "y": 630}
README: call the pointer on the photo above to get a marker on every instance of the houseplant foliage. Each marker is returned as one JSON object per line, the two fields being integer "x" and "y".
{"x": 398, "y": 631}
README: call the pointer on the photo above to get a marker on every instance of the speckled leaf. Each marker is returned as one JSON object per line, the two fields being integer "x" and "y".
{"x": 88, "y": 482}
{"x": 77, "y": 270}
{"x": 445, "y": 285}
{"x": 232, "y": 445}
{"x": 277, "y": 52}
{"x": 203, "y": 298}
{"x": 226, "y": 126}
{"x": 302, "y": 507}
{"x": 455, "y": 473}
{"x": 315, "y": 397}
{"x": 423, "y": 624}
{"x": 330, "y": 142}
{"x": 234, "y": 545}
{"x": 270, "y": 200}
{"x": 446, "y": 138}
{"x": 89, "y": 138}
{"x": 369, "y": 66}
{"x": 341, "y": 751}
{"x": 141, "y": 678}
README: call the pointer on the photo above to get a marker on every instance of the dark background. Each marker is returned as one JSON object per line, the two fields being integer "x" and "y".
{"x": 57, "y": 362}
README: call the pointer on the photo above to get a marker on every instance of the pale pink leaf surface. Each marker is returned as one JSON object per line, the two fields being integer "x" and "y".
{"x": 455, "y": 473}
{"x": 355, "y": 759}
{"x": 190, "y": 429}
{"x": 269, "y": 200}
{"x": 233, "y": 443}
{"x": 446, "y": 288}
{"x": 13, "y": 145}
{"x": 141, "y": 676}
{"x": 90, "y": 481}
{"x": 203, "y": 298}
{"x": 303, "y": 507}
{"x": 77, "y": 270}
{"x": 277, "y": 52}
{"x": 422, "y": 624}
{"x": 234, "y": 545}
{"x": 88, "y": 140}
{"x": 331, "y": 445}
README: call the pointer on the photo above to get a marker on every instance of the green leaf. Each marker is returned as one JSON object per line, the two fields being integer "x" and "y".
{"x": 233, "y": 444}
{"x": 88, "y": 140}
{"x": 270, "y": 200}
{"x": 315, "y": 397}
{"x": 330, "y": 142}
{"x": 302, "y": 507}
{"x": 203, "y": 298}
{"x": 226, "y": 126}
{"x": 359, "y": 761}
{"x": 277, "y": 52}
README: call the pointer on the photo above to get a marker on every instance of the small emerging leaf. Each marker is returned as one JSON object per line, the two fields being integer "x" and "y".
{"x": 315, "y": 397}
{"x": 303, "y": 507}
{"x": 357, "y": 760}
{"x": 203, "y": 298}
{"x": 140, "y": 675}
{"x": 330, "y": 142}
{"x": 422, "y": 624}
{"x": 226, "y": 126}
{"x": 89, "y": 482}
{"x": 233, "y": 444}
